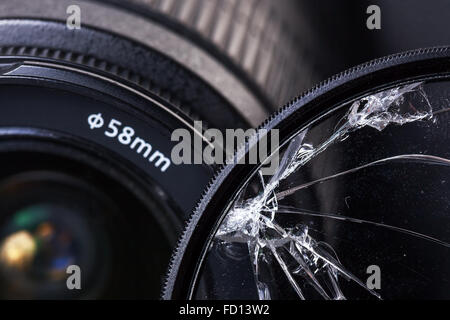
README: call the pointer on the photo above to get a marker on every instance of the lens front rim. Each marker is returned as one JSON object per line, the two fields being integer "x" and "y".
{"x": 373, "y": 76}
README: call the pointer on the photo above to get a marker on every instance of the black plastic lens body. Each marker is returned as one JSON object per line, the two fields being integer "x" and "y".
{"x": 96, "y": 107}
{"x": 59, "y": 120}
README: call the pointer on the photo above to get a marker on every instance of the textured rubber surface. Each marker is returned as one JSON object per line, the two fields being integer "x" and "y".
{"x": 357, "y": 81}
{"x": 120, "y": 57}
{"x": 267, "y": 39}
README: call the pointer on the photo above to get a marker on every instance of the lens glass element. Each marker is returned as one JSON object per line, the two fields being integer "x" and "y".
{"x": 358, "y": 208}
{"x": 67, "y": 231}
{"x": 39, "y": 243}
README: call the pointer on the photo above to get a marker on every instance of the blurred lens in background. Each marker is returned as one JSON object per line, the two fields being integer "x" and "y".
{"x": 286, "y": 46}
{"x": 57, "y": 212}
{"x": 49, "y": 223}
{"x": 38, "y": 245}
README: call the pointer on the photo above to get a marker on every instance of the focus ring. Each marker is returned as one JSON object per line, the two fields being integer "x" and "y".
{"x": 122, "y": 58}
{"x": 93, "y": 62}
{"x": 264, "y": 38}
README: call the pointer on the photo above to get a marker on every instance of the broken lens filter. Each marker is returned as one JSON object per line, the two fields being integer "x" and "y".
{"x": 358, "y": 208}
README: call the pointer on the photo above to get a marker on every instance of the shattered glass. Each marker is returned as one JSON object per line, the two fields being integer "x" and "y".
{"x": 359, "y": 208}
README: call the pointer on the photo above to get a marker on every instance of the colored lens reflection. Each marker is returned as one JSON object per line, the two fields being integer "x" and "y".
{"x": 38, "y": 244}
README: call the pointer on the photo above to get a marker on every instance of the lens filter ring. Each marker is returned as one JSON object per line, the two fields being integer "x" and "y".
{"x": 287, "y": 228}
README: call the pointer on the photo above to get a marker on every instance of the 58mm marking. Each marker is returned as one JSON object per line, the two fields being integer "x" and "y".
{"x": 126, "y": 135}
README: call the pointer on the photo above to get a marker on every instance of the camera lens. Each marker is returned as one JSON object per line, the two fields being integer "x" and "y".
{"x": 241, "y": 49}
{"x": 85, "y": 139}
{"x": 69, "y": 224}
{"x": 39, "y": 242}
{"x": 91, "y": 93}
{"x": 46, "y": 228}
{"x": 357, "y": 207}
{"x": 85, "y": 142}
{"x": 110, "y": 111}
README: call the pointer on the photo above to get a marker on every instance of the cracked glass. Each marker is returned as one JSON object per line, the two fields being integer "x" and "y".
{"x": 358, "y": 208}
